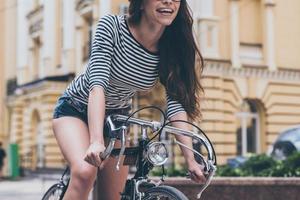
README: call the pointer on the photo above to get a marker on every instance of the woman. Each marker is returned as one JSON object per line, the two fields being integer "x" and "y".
{"x": 129, "y": 54}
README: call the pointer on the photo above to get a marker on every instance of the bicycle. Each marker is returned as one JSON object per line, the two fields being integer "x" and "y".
{"x": 147, "y": 154}
{"x": 57, "y": 191}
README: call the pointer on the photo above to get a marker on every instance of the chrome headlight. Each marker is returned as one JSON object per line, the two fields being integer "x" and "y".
{"x": 157, "y": 153}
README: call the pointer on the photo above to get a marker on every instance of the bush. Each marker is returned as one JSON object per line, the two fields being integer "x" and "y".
{"x": 263, "y": 165}
{"x": 260, "y": 165}
{"x": 289, "y": 167}
{"x": 228, "y": 171}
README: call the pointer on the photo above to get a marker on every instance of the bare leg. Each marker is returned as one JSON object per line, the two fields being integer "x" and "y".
{"x": 72, "y": 136}
{"x": 110, "y": 182}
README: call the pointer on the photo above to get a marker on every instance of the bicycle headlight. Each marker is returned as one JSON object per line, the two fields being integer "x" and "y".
{"x": 157, "y": 153}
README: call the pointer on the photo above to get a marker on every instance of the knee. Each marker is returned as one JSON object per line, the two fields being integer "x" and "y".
{"x": 84, "y": 173}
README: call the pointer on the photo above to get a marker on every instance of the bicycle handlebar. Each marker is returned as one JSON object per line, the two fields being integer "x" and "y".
{"x": 210, "y": 163}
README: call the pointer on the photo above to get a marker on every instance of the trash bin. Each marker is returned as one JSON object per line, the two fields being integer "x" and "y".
{"x": 14, "y": 160}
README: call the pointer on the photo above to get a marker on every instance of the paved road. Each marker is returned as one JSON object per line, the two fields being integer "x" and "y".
{"x": 24, "y": 189}
{"x": 29, "y": 188}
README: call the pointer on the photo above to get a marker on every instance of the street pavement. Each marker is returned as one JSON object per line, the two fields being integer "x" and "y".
{"x": 30, "y": 188}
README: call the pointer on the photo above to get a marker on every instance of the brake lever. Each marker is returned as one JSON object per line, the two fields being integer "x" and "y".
{"x": 209, "y": 171}
{"x": 123, "y": 146}
{"x": 209, "y": 175}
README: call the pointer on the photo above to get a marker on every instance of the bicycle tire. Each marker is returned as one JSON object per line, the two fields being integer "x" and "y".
{"x": 164, "y": 192}
{"x": 55, "y": 192}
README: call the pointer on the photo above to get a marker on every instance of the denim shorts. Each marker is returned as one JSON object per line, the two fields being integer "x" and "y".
{"x": 68, "y": 106}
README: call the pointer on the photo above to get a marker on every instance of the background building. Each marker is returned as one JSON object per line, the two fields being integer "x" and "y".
{"x": 251, "y": 76}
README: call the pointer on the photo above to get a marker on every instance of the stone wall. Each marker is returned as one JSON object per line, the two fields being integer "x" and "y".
{"x": 237, "y": 188}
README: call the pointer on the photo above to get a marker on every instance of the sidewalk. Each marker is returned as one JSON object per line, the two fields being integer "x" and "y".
{"x": 28, "y": 188}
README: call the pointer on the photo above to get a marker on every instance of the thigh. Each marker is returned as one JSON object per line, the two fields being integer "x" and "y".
{"x": 72, "y": 136}
{"x": 110, "y": 182}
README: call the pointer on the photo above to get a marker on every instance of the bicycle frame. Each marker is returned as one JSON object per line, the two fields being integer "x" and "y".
{"x": 64, "y": 183}
{"x": 132, "y": 188}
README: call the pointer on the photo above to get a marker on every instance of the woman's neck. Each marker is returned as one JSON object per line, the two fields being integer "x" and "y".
{"x": 148, "y": 33}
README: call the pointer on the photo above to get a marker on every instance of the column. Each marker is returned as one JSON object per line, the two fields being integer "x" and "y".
{"x": 270, "y": 34}
{"x": 10, "y": 32}
{"x": 235, "y": 40}
{"x": 104, "y": 7}
{"x": 68, "y": 62}
{"x": 79, "y": 44}
{"x": 16, "y": 123}
{"x": 205, "y": 7}
{"x": 207, "y": 28}
{"x": 22, "y": 40}
{"x": 192, "y": 5}
{"x": 49, "y": 38}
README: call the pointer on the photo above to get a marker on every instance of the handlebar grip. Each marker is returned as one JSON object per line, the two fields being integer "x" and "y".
{"x": 102, "y": 157}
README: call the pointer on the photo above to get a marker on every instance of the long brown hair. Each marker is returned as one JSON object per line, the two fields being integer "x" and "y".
{"x": 178, "y": 51}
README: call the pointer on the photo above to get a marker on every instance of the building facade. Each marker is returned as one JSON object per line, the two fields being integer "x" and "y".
{"x": 2, "y": 81}
{"x": 251, "y": 76}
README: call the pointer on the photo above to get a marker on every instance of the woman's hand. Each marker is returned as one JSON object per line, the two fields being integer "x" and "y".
{"x": 196, "y": 171}
{"x": 92, "y": 155}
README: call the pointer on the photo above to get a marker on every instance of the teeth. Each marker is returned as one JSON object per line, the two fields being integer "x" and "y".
{"x": 165, "y": 10}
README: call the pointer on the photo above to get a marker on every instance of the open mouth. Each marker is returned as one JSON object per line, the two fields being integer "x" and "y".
{"x": 165, "y": 11}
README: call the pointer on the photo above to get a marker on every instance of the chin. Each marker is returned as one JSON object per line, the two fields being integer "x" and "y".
{"x": 165, "y": 22}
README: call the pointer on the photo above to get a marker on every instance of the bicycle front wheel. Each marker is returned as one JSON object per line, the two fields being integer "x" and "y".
{"x": 55, "y": 192}
{"x": 164, "y": 192}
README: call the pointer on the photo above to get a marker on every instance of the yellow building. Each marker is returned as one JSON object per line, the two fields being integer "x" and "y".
{"x": 2, "y": 92}
{"x": 251, "y": 76}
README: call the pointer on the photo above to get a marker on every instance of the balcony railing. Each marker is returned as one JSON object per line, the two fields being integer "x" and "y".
{"x": 35, "y": 18}
{"x": 11, "y": 86}
{"x": 81, "y": 4}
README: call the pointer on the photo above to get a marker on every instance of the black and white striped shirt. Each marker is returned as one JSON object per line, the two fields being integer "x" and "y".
{"x": 120, "y": 65}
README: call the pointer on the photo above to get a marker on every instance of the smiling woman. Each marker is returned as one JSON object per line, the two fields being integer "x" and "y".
{"x": 177, "y": 59}
{"x": 129, "y": 54}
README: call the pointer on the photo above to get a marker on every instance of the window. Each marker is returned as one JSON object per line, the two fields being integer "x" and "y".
{"x": 248, "y": 133}
{"x": 251, "y": 53}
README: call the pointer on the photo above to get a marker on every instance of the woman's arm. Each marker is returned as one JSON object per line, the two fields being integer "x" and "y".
{"x": 188, "y": 155}
{"x": 96, "y": 113}
{"x": 193, "y": 167}
{"x": 98, "y": 73}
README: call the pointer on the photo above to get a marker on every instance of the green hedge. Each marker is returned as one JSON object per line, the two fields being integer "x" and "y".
{"x": 263, "y": 165}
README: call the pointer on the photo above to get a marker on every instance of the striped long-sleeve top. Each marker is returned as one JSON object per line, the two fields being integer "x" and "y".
{"x": 120, "y": 65}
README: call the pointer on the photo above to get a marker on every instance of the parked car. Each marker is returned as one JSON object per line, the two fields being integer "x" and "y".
{"x": 287, "y": 142}
{"x": 236, "y": 161}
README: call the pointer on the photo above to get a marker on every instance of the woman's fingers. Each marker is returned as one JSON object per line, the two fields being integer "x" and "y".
{"x": 93, "y": 159}
{"x": 97, "y": 160}
{"x": 197, "y": 176}
{"x": 196, "y": 171}
{"x": 89, "y": 160}
{"x": 93, "y": 154}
